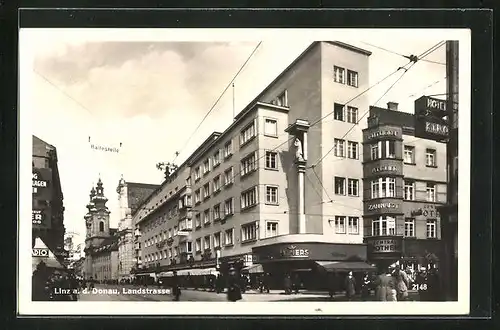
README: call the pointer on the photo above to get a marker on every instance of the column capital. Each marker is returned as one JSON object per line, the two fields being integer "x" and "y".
{"x": 301, "y": 165}
{"x": 300, "y": 125}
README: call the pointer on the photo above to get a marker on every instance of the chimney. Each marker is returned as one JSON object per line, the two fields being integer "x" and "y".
{"x": 392, "y": 106}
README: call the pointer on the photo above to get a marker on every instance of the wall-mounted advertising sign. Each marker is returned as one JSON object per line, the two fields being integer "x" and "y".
{"x": 40, "y": 252}
{"x": 386, "y": 132}
{"x": 384, "y": 247}
{"x": 41, "y": 183}
{"x": 41, "y": 218}
{"x": 386, "y": 206}
{"x": 293, "y": 251}
{"x": 430, "y": 119}
{"x": 383, "y": 167}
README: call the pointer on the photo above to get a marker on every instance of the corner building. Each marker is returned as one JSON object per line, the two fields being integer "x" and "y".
{"x": 267, "y": 194}
{"x": 404, "y": 186}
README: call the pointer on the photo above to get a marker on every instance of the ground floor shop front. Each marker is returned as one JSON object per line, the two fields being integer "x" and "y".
{"x": 410, "y": 253}
{"x": 311, "y": 265}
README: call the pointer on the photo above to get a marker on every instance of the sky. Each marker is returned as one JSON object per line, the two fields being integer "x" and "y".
{"x": 150, "y": 95}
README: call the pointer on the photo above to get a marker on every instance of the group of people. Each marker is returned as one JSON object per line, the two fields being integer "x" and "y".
{"x": 394, "y": 284}
{"x": 54, "y": 284}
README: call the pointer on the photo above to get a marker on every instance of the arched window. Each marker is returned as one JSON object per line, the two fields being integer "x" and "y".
{"x": 101, "y": 226}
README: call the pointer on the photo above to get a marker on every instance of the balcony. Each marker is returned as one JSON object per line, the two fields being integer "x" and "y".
{"x": 185, "y": 202}
{"x": 186, "y": 224}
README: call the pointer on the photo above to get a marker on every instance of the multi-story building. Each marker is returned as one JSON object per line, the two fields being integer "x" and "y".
{"x": 130, "y": 195}
{"x": 48, "y": 207}
{"x": 268, "y": 189}
{"x": 101, "y": 242}
{"x": 404, "y": 186}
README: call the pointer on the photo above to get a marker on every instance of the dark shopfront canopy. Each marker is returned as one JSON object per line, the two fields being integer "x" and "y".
{"x": 346, "y": 266}
{"x": 254, "y": 269}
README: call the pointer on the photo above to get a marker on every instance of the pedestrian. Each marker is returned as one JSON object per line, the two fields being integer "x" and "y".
{"x": 366, "y": 287}
{"x": 402, "y": 283}
{"x": 350, "y": 286}
{"x": 233, "y": 286}
{"x": 288, "y": 284}
{"x": 296, "y": 283}
{"x": 176, "y": 290}
{"x": 433, "y": 285}
{"x": 385, "y": 286}
{"x": 331, "y": 283}
{"x": 422, "y": 284}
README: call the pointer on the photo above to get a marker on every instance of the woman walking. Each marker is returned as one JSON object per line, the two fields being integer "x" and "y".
{"x": 350, "y": 286}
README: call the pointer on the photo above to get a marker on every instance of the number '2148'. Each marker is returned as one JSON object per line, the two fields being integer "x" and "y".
{"x": 421, "y": 287}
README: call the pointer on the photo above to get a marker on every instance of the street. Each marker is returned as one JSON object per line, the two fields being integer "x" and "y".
{"x": 198, "y": 295}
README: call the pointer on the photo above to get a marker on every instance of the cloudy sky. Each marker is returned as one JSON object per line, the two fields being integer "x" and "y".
{"x": 150, "y": 95}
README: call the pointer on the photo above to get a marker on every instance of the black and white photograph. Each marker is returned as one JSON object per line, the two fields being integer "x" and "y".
{"x": 255, "y": 171}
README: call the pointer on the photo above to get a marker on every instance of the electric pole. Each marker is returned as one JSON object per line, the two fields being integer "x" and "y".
{"x": 449, "y": 212}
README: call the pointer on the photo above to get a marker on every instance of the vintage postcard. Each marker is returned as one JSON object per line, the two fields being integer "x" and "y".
{"x": 244, "y": 171}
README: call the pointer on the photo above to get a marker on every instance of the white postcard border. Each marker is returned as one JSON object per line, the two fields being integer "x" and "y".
{"x": 29, "y": 38}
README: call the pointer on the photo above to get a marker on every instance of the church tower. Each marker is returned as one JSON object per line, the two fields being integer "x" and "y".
{"x": 99, "y": 229}
{"x": 96, "y": 223}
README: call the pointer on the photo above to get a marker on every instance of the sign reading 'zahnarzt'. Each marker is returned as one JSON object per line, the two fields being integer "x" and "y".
{"x": 379, "y": 206}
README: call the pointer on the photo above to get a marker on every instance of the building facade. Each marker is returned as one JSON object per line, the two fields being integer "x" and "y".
{"x": 101, "y": 242}
{"x": 280, "y": 187}
{"x": 404, "y": 186}
{"x": 48, "y": 206}
{"x": 130, "y": 195}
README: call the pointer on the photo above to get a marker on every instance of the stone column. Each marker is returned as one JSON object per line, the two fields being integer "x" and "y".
{"x": 301, "y": 169}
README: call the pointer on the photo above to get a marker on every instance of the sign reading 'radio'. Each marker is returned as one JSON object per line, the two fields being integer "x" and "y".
{"x": 40, "y": 252}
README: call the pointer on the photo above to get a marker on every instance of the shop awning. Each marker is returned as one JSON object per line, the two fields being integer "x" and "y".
{"x": 347, "y": 266}
{"x": 254, "y": 269}
{"x": 166, "y": 274}
{"x": 196, "y": 271}
{"x": 42, "y": 254}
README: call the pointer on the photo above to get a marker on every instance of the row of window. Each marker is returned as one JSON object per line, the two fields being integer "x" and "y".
{"x": 340, "y": 150}
{"x": 219, "y": 239}
{"x": 346, "y": 225}
{"x": 248, "y": 165}
{"x": 249, "y": 198}
{"x": 340, "y": 76}
{"x": 387, "y": 149}
{"x": 430, "y": 156}
{"x": 386, "y": 226}
{"x": 345, "y": 113}
{"x": 382, "y": 188}
{"x": 246, "y": 134}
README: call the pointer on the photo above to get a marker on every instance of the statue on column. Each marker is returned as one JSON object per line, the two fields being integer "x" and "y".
{"x": 299, "y": 152}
